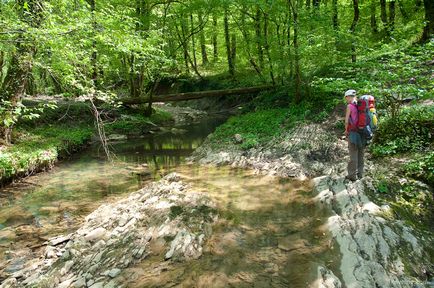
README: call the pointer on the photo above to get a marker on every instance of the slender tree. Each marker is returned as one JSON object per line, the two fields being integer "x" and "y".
{"x": 259, "y": 37}
{"x": 428, "y": 30}
{"x": 392, "y": 15}
{"x": 17, "y": 78}
{"x": 228, "y": 44}
{"x": 335, "y": 15}
{"x": 353, "y": 29}
{"x": 383, "y": 14}
{"x": 202, "y": 40}
{"x": 193, "y": 41}
{"x": 214, "y": 37}
{"x": 294, "y": 9}
{"x": 374, "y": 25}
{"x": 267, "y": 49}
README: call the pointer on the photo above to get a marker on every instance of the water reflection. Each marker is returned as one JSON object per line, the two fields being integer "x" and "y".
{"x": 56, "y": 201}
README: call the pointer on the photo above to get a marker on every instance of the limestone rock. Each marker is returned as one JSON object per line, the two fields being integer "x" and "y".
{"x": 118, "y": 235}
{"x": 96, "y": 234}
{"x": 238, "y": 139}
{"x": 116, "y": 137}
{"x": 9, "y": 283}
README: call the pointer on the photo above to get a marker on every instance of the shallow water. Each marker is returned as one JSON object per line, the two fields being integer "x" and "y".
{"x": 269, "y": 232}
{"x": 56, "y": 202}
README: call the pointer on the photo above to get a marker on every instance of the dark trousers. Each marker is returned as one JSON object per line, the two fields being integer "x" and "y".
{"x": 356, "y": 164}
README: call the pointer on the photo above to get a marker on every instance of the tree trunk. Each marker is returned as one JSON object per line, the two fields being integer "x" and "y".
{"x": 94, "y": 56}
{"x": 228, "y": 45}
{"x": 143, "y": 14}
{"x": 193, "y": 41}
{"x": 16, "y": 80}
{"x": 428, "y": 30}
{"x": 294, "y": 9}
{"x": 13, "y": 88}
{"x": 198, "y": 95}
{"x": 374, "y": 26}
{"x": 2, "y": 61}
{"x": 247, "y": 44}
{"x": 290, "y": 58}
{"x": 267, "y": 48}
{"x": 353, "y": 29}
{"x": 233, "y": 51}
{"x": 214, "y": 37}
{"x": 202, "y": 41}
{"x": 184, "y": 45}
{"x": 335, "y": 15}
{"x": 392, "y": 15}
{"x": 259, "y": 38}
{"x": 383, "y": 13}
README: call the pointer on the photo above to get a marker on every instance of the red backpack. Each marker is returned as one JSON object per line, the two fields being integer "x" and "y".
{"x": 367, "y": 120}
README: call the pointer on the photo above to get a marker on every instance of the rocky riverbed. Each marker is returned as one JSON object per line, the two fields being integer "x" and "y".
{"x": 376, "y": 251}
{"x": 160, "y": 219}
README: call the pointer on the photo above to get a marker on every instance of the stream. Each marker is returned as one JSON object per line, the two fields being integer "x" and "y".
{"x": 269, "y": 234}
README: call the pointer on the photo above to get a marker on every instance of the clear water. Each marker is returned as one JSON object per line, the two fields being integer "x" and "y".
{"x": 56, "y": 202}
{"x": 269, "y": 233}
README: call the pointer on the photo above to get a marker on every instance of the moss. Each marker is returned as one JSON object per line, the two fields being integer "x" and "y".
{"x": 38, "y": 148}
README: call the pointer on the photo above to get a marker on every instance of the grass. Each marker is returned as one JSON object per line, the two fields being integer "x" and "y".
{"x": 39, "y": 148}
{"x": 39, "y": 143}
{"x": 255, "y": 128}
{"x": 135, "y": 123}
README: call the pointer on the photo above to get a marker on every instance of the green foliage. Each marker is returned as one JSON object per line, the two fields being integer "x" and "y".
{"x": 422, "y": 168}
{"x": 40, "y": 148}
{"x": 386, "y": 74}
{"x": 255, "y": 127}
{"x": 411, "y": 130}
{"x": 409, "y": 199}
{"x": 136, "y": 123}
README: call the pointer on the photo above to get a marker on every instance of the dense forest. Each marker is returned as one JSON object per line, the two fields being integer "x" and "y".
{"x": 252, "y": 181}
{"x": 125, "y": 48}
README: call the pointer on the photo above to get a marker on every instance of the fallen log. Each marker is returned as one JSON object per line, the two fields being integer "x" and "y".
{"x": 197, "y": 95}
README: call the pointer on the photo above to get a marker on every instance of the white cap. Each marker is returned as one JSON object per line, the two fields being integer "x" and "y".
{"x": 350, "y": 93}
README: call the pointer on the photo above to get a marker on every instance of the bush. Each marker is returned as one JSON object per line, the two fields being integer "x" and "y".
{"x": 255, "y": 127}
{"x": 40, "y": 148}
{"x": 136, "y": 123}
{"x": 411, "y": 131}
{"x": 422, "y": 168}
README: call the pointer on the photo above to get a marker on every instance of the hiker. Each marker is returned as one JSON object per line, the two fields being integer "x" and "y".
{"x": 356, "y": 143}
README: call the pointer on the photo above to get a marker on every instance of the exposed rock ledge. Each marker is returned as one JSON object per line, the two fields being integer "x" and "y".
{"x": 119, "y": 235}
{"x": 375, "y": 252}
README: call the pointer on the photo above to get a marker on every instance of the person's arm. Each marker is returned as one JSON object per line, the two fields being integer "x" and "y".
{"x": 347, "y": 119}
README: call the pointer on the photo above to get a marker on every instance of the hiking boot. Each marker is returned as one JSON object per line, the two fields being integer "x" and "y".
{"x": 352, "y": 179}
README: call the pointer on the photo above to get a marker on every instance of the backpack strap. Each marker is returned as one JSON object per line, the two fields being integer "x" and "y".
{"x": 351, "y": 122}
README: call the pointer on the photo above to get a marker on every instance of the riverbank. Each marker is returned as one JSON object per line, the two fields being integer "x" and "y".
{"x": 57, "y": 134}
{"x": 376, "y": 248}
{"x": 161, "y": 220}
